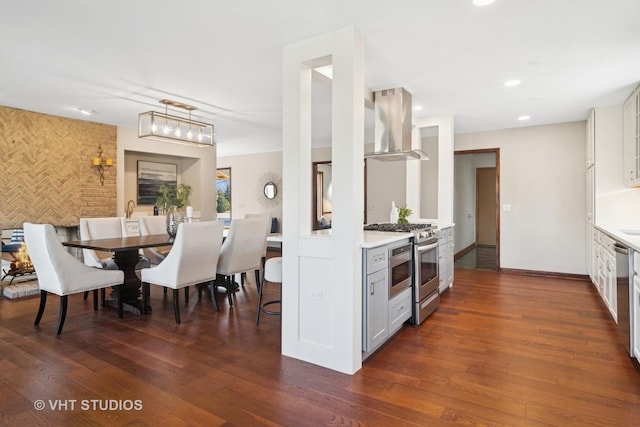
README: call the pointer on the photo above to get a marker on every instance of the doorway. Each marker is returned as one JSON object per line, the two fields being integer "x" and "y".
{"x": 476, "y": 209}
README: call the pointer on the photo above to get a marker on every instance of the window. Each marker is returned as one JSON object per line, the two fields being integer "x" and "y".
{"x": 223, "y": 200}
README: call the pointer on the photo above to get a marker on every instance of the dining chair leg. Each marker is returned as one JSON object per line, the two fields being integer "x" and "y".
{"x": 212, "y": 288}
{"x": 199, "y": 289}
{"x": 43, "y": 302}
{"x": 176, "y": 304}
{"x": 229, "y": 285}
{"x": 186, "y": 295}
{"x": 103, "y": 297}
{"x": 86, "y": 295}
{"x": 164, "y": 289}
{"x": 257, "y": 273}
{"x": 242, "y": 277}
{"x": 95, "y": 300}
{"x": 63, "y": 313}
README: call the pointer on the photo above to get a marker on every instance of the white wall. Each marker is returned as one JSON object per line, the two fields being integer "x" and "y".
{"x": 542, "y": 177}
{"x": 322, "y": 296}
{"x": 386, "y": 182}
{"x": 429, "y": 179}
{"x": 247, "y": 182}
{"x": 196, "y": 167}
{"x": 464, "y": 200}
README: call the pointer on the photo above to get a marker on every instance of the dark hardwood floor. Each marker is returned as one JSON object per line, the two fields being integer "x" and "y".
{"x": 478, "y": 258}
{"x": 502, "y": 350}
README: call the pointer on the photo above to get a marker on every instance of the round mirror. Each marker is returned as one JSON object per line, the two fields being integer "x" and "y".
{"x": 270, "y": 190}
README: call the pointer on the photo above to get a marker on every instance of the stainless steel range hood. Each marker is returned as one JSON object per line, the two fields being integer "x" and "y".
{"x": 392, "y": 131}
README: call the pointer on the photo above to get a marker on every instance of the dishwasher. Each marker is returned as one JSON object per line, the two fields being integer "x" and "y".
{"x": 623, "y": 289}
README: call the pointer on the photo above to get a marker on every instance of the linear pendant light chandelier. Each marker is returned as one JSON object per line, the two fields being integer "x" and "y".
{"x": 169, "y": 128}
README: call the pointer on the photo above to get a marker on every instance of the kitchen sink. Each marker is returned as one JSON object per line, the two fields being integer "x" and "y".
{"x": 631, "y": 232}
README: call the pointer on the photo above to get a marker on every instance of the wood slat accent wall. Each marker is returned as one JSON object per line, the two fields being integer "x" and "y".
{"x": 46, "y": 173}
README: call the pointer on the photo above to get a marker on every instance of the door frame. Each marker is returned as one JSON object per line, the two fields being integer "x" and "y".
{"x": 496, "y": 151}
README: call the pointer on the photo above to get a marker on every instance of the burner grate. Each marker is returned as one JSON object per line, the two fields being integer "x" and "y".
{"x": 397, "y": 227}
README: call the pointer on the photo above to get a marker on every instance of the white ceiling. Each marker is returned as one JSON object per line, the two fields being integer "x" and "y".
{"x": 119, "y": 57}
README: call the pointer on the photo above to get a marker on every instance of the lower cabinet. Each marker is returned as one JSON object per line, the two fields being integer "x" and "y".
{"x": 399, "y": 310}
{"x": 635, "y": 318}
{"x": 381, "y": 316}
{"x": 445, "y": 258}
{"x": 377, "y": 310}
{"x": 604, "y": 266}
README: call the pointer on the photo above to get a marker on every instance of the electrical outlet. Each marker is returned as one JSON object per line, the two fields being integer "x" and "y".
{"x": 316, "y": 295}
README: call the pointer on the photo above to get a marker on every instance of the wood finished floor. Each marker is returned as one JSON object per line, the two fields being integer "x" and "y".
{"x": 479, "y": 258}
{"x": 502, "y": 350}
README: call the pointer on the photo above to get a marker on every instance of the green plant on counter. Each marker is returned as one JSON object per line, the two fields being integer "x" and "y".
{"x": 171, "y": 195}
{"x": 403, "y": 213}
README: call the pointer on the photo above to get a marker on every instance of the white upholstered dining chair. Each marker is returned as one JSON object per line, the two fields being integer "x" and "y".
{"x": 60, "y": 273}
{"x": 100, "y": 228}
{"x": 103, "y": 228}
{"x": 242, "y": 251}
{"x": 193, "y": 260}
{"x": 267, "y": 222}
{"x": 154, "y": 225}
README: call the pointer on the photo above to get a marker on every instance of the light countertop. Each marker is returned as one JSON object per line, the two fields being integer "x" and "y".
{"x": 371, "y": 239}
{"x": 617, "y": 231}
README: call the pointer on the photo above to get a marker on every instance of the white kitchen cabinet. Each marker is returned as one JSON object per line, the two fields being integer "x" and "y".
{"x": 631, "y": 137}
{"x": 606, "y": 272}
{"x": 591, "y": 194}
{"x": 635, "y": 317}
{"x": 377, "y": 310}
{"x": 399, "y": 310}
{"x": 592, "y": 253}
{"x": 591, "y": 147}
{"x": 445, "y": 258}
{"x": 604, "y": 136}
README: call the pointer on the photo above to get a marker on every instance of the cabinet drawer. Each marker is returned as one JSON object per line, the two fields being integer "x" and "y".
{"x": 399, "y": 310}
{"x": 377, "y": 259}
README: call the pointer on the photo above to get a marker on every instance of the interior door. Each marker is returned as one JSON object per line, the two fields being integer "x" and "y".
{"x": 486, "y": 206}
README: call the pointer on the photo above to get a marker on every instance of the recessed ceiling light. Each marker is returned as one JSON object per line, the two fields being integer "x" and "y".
{"x": 523, "y": 118}
{"x": 512, "y": 83}
{"x": 482, "y": 2}
{"x": 86, "y": 111}
{"x": 417, "y": 108}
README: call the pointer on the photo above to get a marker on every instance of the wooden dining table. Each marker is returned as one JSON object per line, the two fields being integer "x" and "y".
{"x": 126, "y": 256}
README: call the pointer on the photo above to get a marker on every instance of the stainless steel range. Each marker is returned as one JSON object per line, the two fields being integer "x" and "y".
{"x": 426, "y": 296}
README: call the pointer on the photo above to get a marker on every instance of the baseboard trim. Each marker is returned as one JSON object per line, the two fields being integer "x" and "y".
{"x": 464, "y": 251}
{"x": 536, "y": 273}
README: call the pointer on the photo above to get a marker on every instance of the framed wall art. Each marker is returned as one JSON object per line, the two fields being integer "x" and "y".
{"x": 152, "y": 175}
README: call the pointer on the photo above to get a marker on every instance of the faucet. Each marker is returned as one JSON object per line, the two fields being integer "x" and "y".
{"x": 130, "y": 205}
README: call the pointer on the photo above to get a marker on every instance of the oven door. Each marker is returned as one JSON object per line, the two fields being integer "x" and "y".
{"x": 426, "y": 274}
{"x": 400, "y": 269}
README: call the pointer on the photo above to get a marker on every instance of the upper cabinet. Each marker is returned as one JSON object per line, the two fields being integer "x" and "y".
{"x": 591, "y": 143}
{"x": 632, "y": 139}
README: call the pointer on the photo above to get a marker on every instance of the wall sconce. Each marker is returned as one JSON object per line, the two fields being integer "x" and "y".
{"x": 100, "y": 163}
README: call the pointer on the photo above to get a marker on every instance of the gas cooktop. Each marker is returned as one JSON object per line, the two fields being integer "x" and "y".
{"x": 406, "y": 228}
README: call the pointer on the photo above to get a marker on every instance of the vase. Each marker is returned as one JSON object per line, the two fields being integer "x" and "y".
{"x": 174, "y": 217}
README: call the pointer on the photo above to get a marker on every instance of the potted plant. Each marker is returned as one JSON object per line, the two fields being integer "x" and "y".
{"x": 174, "y": 195}
{"x": 173, "y": 198}
{"x": 403, "y": 213}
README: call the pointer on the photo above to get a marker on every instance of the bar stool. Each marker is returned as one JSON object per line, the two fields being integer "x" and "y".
{"x": 273, "y": 274}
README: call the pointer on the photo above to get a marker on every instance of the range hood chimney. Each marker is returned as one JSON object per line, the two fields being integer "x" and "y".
{"x": 392, "y": 131}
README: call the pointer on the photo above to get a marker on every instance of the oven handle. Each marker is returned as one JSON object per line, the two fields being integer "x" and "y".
{"x": 426, "y": 247}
